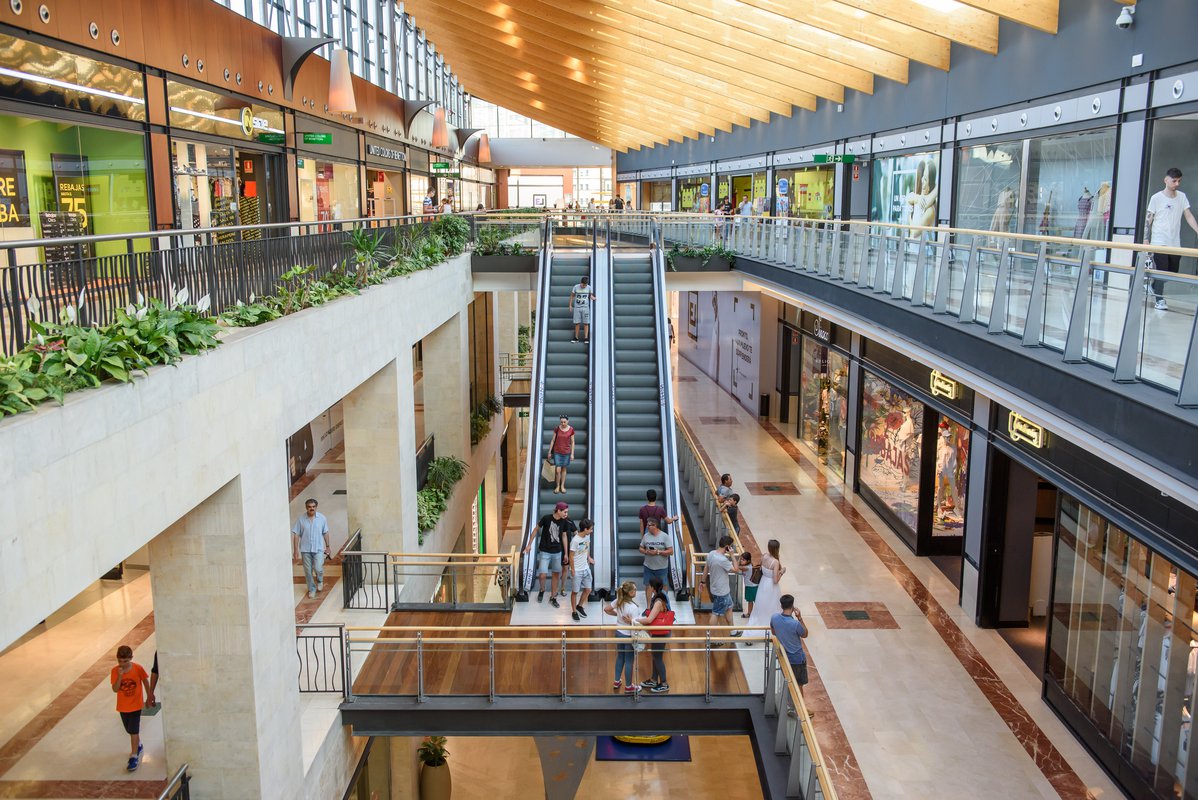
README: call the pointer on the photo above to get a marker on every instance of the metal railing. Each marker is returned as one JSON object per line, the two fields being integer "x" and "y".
{"x": 320, "y": 650}
{"x": 424, "y": 456}
{"x": 555, "y": 661}
{"x": 1091, "y": 301}
{"x": 514, "y": 367}
{"x": 364, "y": 577}
{"x": 178, "y": 788}
{"x": 384, "y": 581}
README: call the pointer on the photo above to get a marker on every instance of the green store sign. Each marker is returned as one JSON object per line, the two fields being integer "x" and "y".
{"x": 318, "y": 138}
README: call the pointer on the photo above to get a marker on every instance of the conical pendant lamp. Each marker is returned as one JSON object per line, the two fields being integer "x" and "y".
{"x": 341, "y": 84}
{"x": 440, "y": 129}
{"x": 484, "y": 149}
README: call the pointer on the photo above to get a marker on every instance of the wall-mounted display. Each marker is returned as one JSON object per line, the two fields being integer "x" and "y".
{"x": 891, "y": 440}
{"x": 905, "y": 189}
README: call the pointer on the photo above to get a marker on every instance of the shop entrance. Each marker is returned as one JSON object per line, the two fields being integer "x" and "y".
{"x": 218, "y": 186}
{"x": 1016, "y": 579}
{"x": 386, "y": 195}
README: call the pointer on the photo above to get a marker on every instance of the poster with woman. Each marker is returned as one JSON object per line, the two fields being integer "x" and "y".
{"x": 906, "y": 189}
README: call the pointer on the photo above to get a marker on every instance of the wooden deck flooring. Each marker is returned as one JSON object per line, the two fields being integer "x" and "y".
{"x": 531, "y": 665}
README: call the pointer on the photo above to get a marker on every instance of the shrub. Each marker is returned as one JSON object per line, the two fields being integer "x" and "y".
{"x": 454, "y": 232}
{"x": 705, "y": 254}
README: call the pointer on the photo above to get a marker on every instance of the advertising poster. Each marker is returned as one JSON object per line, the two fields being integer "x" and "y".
{"x": 906, "y": 189}
{"x": 14, "y": 193}
{"x": 724, "y": 340}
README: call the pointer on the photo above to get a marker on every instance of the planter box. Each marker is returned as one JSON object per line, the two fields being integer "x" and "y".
{"x": 526, "y": 263}
{"x": 692, "y": 264}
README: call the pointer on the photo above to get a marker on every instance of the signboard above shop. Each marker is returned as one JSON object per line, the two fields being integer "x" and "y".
{"x": 317, "y": 138}
{"x": 838, "y": 158}
{"x": 272, "y": 138}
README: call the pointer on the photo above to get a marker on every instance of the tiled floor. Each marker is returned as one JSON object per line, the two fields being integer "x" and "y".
{"x": 933, "y": 708}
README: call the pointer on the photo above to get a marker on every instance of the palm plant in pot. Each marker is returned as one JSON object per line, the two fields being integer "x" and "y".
{"x": 435, "y": 782}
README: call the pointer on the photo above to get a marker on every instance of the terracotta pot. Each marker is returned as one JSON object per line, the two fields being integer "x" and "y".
{"x": 435, "y": 783}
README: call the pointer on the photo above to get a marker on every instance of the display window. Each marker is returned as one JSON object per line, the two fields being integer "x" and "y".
{"x": 905, "y": 190}
{"x": 217, "y": 186}
{"x": 328, "y": 190}
{"x": 989, "y": 195}
{"x": 891, "y": 440}
{"x": 656, "y": 196}
{"x": 738, "y": 188}
{"x": 1069, "y": 186}
{"x": 1172, "y": 145}
{"x": 694, "y": 195}
{"x": 418, "y": 186}
{"x": 823, "y": 402}
{"x": 59, "y": 180}
{"x": 952, "y": 478}
{"x": 804, "y": 193}
{"x": 1122, "y": 646}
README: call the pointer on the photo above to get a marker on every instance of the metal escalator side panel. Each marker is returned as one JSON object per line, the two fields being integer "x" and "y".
{"x": 599, "y": 471}
{"x": 537, "y": 402}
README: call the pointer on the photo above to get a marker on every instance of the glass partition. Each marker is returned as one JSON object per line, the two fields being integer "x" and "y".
{"x": 1069, "y": 186}
{"x": 804, "y": 193}
{"x": 988, "y": 187}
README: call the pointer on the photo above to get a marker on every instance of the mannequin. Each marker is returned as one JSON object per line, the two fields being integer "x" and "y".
{"x": 1084, "y": 204}
{"x": 1005, "y": 209}
{"x": 1100, "y": 212}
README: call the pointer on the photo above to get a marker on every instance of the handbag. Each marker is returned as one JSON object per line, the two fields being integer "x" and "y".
{"x": 663, "y": 620}
{"x": 638, "y": 640}
{"x": 548, "y": 471}
{"x": 755, "y": 575}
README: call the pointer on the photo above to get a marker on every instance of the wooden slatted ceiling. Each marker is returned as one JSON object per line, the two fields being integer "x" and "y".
{"x": 633, "y": 73}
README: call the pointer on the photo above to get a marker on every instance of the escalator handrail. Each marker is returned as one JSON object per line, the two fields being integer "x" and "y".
{"x": 594, "y": 510}
{"x": 613, "y": 485}
{"x": 672, "y": 499}
{"x": 532, "y": 483}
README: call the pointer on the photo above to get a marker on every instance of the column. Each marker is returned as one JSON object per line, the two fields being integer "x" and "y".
{"x": 380, "y": 458}
{"x": 975, "y": 505}
{"x": 447, "y": 387}
{"x": 226, "y": 640}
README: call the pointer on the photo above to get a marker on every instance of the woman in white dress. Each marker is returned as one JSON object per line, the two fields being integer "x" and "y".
{"x": 769, "y": 593}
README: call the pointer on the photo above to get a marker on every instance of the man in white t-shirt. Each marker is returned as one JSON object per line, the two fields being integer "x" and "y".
{"x": 1166, "y": 209}
{"x": 580, "y": 569}
{"x": 580, "y": 304}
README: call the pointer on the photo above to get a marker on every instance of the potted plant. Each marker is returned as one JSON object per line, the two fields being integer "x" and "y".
{"x": 712, "y": 258}
{"x": 435, "y": 782}
{"x": 494, "y": 252}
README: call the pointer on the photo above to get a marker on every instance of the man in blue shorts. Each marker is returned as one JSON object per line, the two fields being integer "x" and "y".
{"x": 715, "y": 574}
{"x": 552, "y": 533}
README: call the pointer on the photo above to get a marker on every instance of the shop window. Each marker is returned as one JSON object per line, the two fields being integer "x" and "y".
{"x": 328, "y": 190}
{"x": 694, "y": 195}
{"x": 988, "y": 187}
{"x": 823, "y": 402}
{"x": 1173, "y": 146}
{"x": 891, "y": 438}
{"x": 952, "y": 478}
{"x": 1123, "y": 647}
{"x": 655, "y": 196}
{"x": 1069, "y": 186}
{"x": 804, "y": 193}
{"x": 60, "y": 180}
{"x": 905, "y": 189}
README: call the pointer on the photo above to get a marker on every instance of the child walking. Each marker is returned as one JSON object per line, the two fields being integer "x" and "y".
{"x": 752, "y": 578}
{"x": 128, "y": 682}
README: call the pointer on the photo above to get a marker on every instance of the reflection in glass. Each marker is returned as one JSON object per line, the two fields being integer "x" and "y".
{"x": 988, "y": 178}
{"x": 805, "y": 193}
{"x": 891, "y": 433}
{"x": 1122, "y": 646}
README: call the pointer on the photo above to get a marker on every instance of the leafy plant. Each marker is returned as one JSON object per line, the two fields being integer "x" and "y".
{"x": 444, "y": 472}
{"x": 481, "y": 416}
{"x": 704, "y": 254}
{"x": 247, "y": 315}
{"x": 454, "y": 232}
{"x": 488, "y": 240}
{"x": 368, "y": 250}
{"x": 293, "y": 293}
{"x": 430, "y": 505}
{"x": 524, "y": 339}
{"x": 432, "y": 752}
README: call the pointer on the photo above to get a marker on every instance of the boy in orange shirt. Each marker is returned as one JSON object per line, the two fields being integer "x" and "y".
{"x": 128, "y": 680}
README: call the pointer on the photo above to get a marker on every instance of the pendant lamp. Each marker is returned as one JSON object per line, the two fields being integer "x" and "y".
{"x": 484, "y": 149}
{"x": 440, "y": 129}
{"x": 341, "y": 84}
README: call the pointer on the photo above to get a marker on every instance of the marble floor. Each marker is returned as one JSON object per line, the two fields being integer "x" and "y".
{"x": 932, "y": 708}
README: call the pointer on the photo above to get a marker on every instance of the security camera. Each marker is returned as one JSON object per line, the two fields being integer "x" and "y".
{"x": 1126, "y": 17}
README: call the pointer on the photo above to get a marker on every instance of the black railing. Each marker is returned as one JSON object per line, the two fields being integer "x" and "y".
{"x": 99, "y": 274}
{"x": 424, "y": 456}
{"x": 365, "y": 579}
{"x": 320, "y": 651}
{"x": 178, "y": 788}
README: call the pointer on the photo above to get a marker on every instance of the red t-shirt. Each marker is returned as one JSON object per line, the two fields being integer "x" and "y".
{"x": 561, "y": 440}
{"x": 129, "y": 696}
{"x": 653, "y": 511}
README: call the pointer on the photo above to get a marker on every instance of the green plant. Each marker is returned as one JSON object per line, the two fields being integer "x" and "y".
{"x": 368, "y": 252}
{"x": 524, "y": 339}
{"x": 454, "y": 232}
{"x": 704, "y": 254}
{"x": 481, "y": 416}
{"x": 247, "y": 315}
{"x": 293, "y": 294}
{"x": 488, "y": 240}
{"x": 430, "y": 505}
{"x": 432, "y": 752}
{"x": 444, "y": 472}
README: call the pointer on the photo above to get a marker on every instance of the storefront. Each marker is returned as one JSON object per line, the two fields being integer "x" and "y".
{"x": 905, "y": 189}
{"x": 227, "y": 165}
{"x": 914, "y": 449}
{"x": 813, "y": 385}
{"x": 386, "y": 183}
{"x": 804, "y": 192}
{"x": 736, "y": 188}
{"x": 1172, "y": 145}
{"x": 694, "y": 194}
{"x": 74, "y": 172}
{"x": 330, "y": 178}
{"x": 1048, "y": 186}
{"x": 657, "y": 195}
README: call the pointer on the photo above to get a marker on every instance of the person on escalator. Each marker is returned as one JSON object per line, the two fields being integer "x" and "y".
{"x": 657, "y": 548}
{"x": 561, "y": 452}
{"x": 552, "y": 531}
{"x": 581, "y": 297}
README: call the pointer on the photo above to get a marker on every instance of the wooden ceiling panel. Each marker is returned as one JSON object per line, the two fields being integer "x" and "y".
{"x": 633, "y": 73}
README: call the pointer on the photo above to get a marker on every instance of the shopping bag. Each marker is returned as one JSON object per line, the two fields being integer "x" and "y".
{"x": 548, "y": 471}
{"x": 639, "y": 639}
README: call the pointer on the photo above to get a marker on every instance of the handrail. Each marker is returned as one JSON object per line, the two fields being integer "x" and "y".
{"x": 602, "y": 471}
{"x": 804, "y": 720}
{"x": 537, "y": 406}
{"x": 180, "y": 781}
{"x": 709, "y": 479}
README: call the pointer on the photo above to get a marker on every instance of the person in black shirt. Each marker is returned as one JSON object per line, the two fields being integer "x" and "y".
{"x": 553, "y": 533}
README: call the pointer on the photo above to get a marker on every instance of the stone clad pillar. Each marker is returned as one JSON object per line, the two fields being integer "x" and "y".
{"x": 380, "y": 458}
{"x": 447, "y": 387}
{"x": 224, "y": 618}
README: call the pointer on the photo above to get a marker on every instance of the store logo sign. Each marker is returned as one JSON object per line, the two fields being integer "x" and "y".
{"x": 247, "y": 121}
{"x": 943, "y": 386}
{"x": 1021, "y": 429}
{"x": 380, "y": 151}
{"x": 822, "y": 330}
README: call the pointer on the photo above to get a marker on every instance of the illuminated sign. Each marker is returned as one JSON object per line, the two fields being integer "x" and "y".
{"x": 822, "y": 329}
{"x": 247, "y": 121}
{"x": 1024, "y": 430}
{"x": 824, "y": 158}
{"x": 943, "y": 386}
{"x": 380, "y": 151}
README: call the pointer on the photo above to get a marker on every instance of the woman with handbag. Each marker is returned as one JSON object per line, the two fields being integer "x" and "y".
{"x": 625, "y": 609}
{"x": 658, "y": 619}
{"x": 769, "y": 593}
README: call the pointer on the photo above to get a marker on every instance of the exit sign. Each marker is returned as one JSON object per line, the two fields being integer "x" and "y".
{"x": 441, "y": 165}
{"x": 318, "y": 138}
{"x": 824, "y": 158}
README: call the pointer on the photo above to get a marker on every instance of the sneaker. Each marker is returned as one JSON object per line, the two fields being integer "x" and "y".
{"x": 648, "y": 684}
{"x": 312, "y": 594}
{"x": 553, "y": 602}
{"x": 734, "y": 634}
{"x": 1161, "y": 305}
{"x": 632, "y": 690}
{"x": 541, "y": 596}
{"x": 745, "y": 615}
{"x": 320, "y": 586}
{"x": 581, "y": 610}
{"x": 574, "y": 616}
{"x": 132, "y": 765}
{"x": 563, "y": 592}
{"x": 575, "y": 339}
{"x": 615, "y": 685}
{"x": 660, "y": 688}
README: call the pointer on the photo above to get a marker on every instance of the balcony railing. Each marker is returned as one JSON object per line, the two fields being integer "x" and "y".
{"x": 426, "y": 581}
{"x": 1090, "y": 301}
